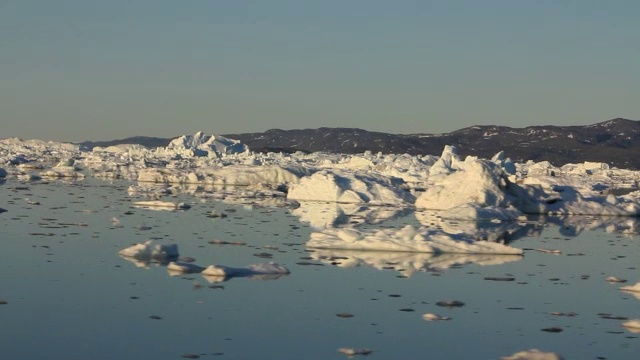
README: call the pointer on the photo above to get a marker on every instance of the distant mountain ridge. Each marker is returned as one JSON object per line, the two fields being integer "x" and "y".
{"x": 616, "y": 142}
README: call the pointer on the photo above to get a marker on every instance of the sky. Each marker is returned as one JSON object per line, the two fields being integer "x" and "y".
{"x": 74, "y": 70}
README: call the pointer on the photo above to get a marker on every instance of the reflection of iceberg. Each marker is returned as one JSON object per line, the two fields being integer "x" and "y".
{"x": 503, "y": 231}
{"x": 574, "y": 225}
{"x": 408, "y": 239}
{"x": 144, "y": 253}
{"x": 261, "y": 271}
{"x": 405, "y": 262}
{"x": 322, "y": 214}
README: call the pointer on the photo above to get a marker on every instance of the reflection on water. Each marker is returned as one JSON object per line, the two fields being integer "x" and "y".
{"x": 575, "y": 225}
{"x": 322, "y": 215}
{"x": 405, "y": 262}
{"x": 63, "y": 276}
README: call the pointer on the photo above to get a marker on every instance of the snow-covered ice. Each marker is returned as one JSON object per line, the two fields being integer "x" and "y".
{"x": 533, "y": 354}
{"x": 260, "y": 271}
{"x": 150, "y": 251}
{"x": 470, "y": 188}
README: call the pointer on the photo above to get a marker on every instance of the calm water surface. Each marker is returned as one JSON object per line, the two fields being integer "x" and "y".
{"x": 68, "y": 295}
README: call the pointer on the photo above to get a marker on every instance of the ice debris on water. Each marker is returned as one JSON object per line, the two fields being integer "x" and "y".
{"x": 269, "y": 268}
{"x": 434, "y": 317}
{"x": 533, "y": 354}
{"x": 148, "y": 251}
{"x": 353, "y": 352}
{"x": 632, "y": 288}
{"x": 632, "y": 325}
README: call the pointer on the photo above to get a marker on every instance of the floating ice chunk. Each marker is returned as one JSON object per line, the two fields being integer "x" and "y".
{"x": 201, "y": 144}
{"x": 632, "y": 288}
{"x": 269, "y": 268}
{"x": 406, "y": 239}
{"x": 176, "y": 267}
{"x": 65, "y": 163}
{"x": 484, "y": 185}
{"x": 353, "y": 352}
{"x": 533, "y": 354}
{"x": 434, "y": 317}
{"x": 632, "y": 325}
{"x": 148, "y": 251}
{"x": 161, "y": 205}
{"x": 345, "y": 187}
{"x": 449, "y": 161}
{"x": 227, "y": 175}
{"x": 62, "y": 172}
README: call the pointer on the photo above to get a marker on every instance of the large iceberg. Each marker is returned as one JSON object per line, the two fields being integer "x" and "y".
{"x": 350, "y": 187}
{"x": 201, "y": 144}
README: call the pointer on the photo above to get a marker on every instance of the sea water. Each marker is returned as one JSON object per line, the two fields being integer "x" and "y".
{"x": 66, "y": 294}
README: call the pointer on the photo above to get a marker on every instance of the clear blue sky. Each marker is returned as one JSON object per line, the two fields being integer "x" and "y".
{"x": 76, "y": 70}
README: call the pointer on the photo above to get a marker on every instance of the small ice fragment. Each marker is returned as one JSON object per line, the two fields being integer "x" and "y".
{"x": 533, "y": 354}
{"x": 184, "y": 268}
{"x": 147, "y": 251}
{"x": 550, "y": 251}
{"x": 269, "y": 268}
{"x": 632, "y": 325}
{"x": 353, "y": 352}
{"x": 434, "y": 317}
{"x": 633, "y": 288}
{"x": 613, "y": 279}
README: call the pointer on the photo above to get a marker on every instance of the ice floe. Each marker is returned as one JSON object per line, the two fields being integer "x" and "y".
{"x": 201, "y": 144}
{"x": 632, "y": 288}
{"x": 346, "y": 187}
{"x": 149, "y": 251}
{"x": 179, "y": 268}
{"x": 533, "y": 354}
{"x": 260, "y": 271}
{"x": 632, "y": 325}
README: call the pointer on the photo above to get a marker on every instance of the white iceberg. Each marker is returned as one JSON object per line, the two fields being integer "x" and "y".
{"x": 178, "y": 268}
{"x": 148, "y": 251}
{"x": 348, "y": 187}
{"x": 533, "y": 354}
{"x": 201, "y": 144}
{"x": 260, "y": 271}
